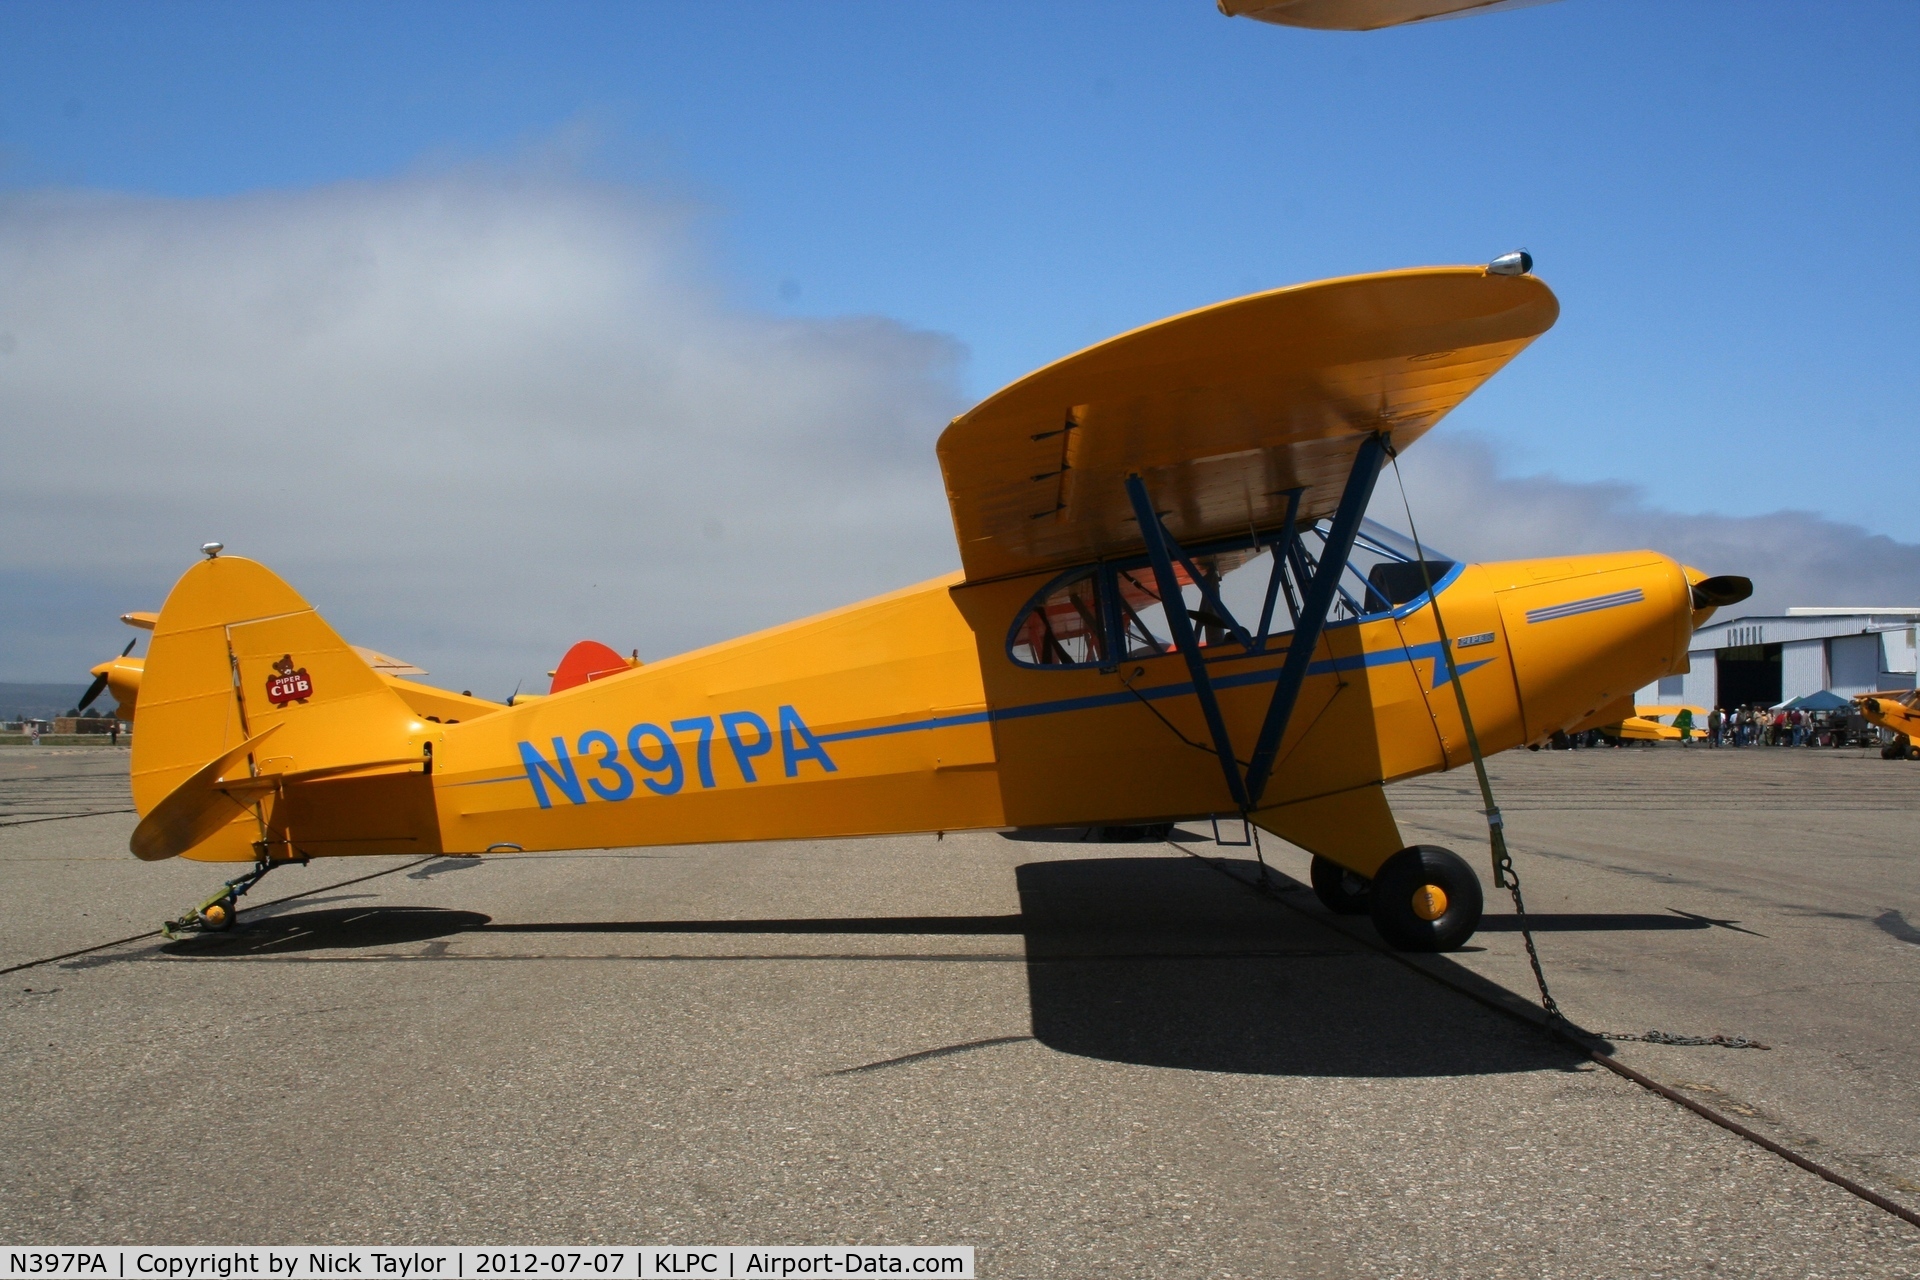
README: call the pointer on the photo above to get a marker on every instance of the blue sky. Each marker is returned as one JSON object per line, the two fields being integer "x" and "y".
{"x": 1724, "y": 195}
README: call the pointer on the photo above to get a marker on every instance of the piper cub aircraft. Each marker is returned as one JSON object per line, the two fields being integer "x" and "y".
{"x": 1899, "y": 714}
{"x": 1644, "y": 725}
{"x": 1169, "y": 607}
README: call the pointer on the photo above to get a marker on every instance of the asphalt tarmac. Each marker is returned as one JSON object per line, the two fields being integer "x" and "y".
{"x": 1083, "y": 1059}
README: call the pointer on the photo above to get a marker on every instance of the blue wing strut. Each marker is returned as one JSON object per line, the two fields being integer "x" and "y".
{"x": 1318, "y": 593}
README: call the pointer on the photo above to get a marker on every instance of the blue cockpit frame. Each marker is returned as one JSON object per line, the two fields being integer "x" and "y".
{"x": 1310, "y": 585}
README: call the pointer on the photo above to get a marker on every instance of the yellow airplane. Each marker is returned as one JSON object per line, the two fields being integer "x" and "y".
{"x": 1169, "y": 608}
{"x": 1897, "y": 712}
{"x": 1359, "y": 15}
{"x": 1644, "y": 724}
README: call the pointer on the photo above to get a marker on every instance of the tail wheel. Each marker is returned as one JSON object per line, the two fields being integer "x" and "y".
{"x": 1426, "y": 899}
{"x": 1345, "y": 893}
{"x": 217, "y": 917}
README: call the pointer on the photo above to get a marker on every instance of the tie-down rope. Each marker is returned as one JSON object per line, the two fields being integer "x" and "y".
{"x": 1504, "y": 875}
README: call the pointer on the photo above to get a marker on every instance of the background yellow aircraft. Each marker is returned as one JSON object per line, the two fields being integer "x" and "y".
{"x": 1644, "y": 725}
{"x": 1169, "y": 607}
{"x": 1898, "y": 712}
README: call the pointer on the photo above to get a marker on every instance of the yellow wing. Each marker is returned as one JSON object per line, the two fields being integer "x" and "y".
{"x": 1359, "y": 15}
{"x": 1223, "y": 411}
{"x": 1655, "y": 712}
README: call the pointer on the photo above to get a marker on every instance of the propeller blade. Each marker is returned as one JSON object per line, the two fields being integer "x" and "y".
{"x": 93, "y": 691}
{"x": 129, "y": 649}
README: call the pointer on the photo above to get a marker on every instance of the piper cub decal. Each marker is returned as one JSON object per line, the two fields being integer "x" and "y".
{"x": 288, "y": 684}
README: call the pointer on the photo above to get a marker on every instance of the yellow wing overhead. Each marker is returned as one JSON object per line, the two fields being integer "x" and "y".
{"x": 1359, "y": 15}
{"x": 1223, "y": 411}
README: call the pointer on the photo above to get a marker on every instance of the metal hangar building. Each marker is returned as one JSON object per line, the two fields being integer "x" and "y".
{"x": 1767, "y": 659}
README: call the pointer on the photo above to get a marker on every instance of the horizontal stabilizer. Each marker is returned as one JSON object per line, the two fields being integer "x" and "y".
{"x": 203, "y": 804}
{"x": 385, "y": 665}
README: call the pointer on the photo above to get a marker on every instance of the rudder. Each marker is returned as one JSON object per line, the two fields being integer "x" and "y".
{"x": 236, "y": 652}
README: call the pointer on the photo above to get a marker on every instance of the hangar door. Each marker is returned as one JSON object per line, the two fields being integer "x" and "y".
{"x": 1855, "y": 663}
{"x": 1748, "y": 675}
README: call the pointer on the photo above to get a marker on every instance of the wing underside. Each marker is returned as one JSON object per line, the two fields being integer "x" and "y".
{"x": 1224, "y": 412}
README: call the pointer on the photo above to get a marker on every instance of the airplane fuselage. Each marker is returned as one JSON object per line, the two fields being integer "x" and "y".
{"x": 909, "y": 713}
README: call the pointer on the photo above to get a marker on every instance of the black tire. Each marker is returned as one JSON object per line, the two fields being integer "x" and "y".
{"x": 218, "y": 917}
{"x": 1403, "y": 892}
{"x": 1343, "y": 892}
{"x": 1897, "y": 749}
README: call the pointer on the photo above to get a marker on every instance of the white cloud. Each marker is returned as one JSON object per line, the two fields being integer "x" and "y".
{"x": 474, "y": 417}
{"x": 1465, "y": 506}
{"x": 471, "y": 417}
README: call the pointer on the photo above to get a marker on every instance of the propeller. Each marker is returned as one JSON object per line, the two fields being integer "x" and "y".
{"x": 1717, "y": 593}
{"x": 100, "y": 681}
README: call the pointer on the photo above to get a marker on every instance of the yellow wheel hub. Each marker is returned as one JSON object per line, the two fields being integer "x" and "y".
{"x": 1429, "y": 902}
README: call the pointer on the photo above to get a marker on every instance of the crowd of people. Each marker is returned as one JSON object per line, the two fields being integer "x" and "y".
{"x": 1766, "y": 727}
{"x": 1752, "y": 726}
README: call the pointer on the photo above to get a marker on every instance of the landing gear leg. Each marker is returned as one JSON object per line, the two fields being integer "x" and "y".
{"x": 217, "y": 913}
{"x": 1343, "y": 892}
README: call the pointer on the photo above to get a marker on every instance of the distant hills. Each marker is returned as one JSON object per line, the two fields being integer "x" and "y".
{"x": 43, "y": 700}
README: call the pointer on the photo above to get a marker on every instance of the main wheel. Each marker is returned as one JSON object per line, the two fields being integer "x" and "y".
{"x": 1344, "y": 892}
{"x": 1897, "y": 749}
{"x": 1426, "y": 899}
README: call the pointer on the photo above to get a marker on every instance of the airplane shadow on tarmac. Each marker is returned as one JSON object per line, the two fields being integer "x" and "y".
{"x": 1155, "y": 961}
{"x": 1166, "y": 962}
{"x": 335, "y": 928}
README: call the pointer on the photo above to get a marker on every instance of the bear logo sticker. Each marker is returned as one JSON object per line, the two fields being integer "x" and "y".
{"x": 287, "y": 684}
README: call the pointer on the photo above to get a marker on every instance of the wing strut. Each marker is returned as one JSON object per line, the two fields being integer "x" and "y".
{"x": 1159, "y": 553}
{"x": 1316, "y": 601}
{"x": 1319, "y": 588}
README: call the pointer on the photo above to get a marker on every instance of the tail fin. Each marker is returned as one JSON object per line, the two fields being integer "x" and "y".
{"x": 236, "y": 654}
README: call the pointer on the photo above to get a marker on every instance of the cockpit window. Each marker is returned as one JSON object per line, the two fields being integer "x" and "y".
{"x": 1112, "y": 612}
{"x": 1398, "y": 583}
{"x": 1065, "y": 628}
{"x": 1092, "y": 613}
{"x": 1391, "y": 563}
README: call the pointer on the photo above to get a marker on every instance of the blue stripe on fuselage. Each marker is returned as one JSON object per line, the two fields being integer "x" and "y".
{"x": 1428, "y": 652}
{"x": 1432, "y": 651}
